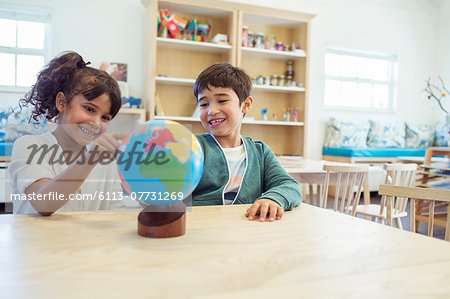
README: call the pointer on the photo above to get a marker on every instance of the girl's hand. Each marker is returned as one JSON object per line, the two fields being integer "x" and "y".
{"x": 105, "y": 147}
{"x": 266, "y": 209}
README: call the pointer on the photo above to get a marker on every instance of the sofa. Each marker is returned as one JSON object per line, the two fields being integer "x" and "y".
{"x": 374, "y": 141}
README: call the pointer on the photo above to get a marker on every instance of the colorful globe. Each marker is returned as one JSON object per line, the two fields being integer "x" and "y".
{"x": 160, "y": 162}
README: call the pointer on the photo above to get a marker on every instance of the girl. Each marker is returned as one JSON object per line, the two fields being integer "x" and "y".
{"x": 71, "y": 168}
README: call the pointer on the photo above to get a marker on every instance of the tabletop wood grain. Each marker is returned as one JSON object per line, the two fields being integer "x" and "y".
{"x": 310, "y": 252}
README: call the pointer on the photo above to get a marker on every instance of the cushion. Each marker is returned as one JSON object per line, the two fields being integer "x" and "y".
{"x": 14, "y": 123}
{"x": 419, "y": 136}
{"x": 346, "y": 133}
{"x": 382, "y": 152}
{"x": 441, "y": 134}
{"x": 6, "y": 148}
{"x": 386, "y": 135}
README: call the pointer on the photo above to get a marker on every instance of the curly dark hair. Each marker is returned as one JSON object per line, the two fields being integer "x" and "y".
{"x": 224, "y": 75}
{"x": 68, "y": 73}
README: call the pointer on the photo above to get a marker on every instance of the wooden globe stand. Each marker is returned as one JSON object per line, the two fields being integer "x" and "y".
{"x": 162, "y": 221}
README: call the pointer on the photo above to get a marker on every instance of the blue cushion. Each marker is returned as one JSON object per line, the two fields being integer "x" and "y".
{"x": 6, "y": 148}
{"x": 386, "y": 135}
{"x": 341, "y": 133}
{"x": 373, "y": 152}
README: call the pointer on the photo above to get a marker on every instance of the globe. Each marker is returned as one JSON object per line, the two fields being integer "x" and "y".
{"x": 160, "y": 162}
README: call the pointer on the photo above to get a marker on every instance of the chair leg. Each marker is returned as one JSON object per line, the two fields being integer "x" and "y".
{"x": 398, "y": 222}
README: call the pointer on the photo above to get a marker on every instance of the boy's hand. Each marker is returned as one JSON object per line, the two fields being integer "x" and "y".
{"x": 266, "y": 209}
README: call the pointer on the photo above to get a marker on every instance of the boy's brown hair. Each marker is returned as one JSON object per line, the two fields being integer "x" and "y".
{"x": 224, "y": 75}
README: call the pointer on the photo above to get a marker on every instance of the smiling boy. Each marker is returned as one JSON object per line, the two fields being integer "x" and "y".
{"x": 237, "y": 170}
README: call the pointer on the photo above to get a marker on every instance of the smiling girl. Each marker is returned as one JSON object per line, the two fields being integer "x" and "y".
{"x": 82, "y": 100}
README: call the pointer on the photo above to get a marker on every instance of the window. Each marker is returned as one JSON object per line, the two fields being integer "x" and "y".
{"x": 24, "y": 46}
{"x": 355, "y": 80}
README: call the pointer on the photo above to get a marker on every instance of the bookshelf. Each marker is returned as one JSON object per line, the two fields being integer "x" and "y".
{"x": 172, "y": 64}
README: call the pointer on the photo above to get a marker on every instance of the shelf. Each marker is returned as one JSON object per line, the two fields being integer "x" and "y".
{"x": 273, "y": 53}
{"x": 131, "y": 111}
{"x": 175, "y": 81}
{"x": 180, "y": 44}
{"x": 278, "y": 88}
{"x": 179, "y": 118}
{"x": 185, "y": 81}
{"x": 134, "y": 111}
{"x": 274, "y": 123}
{"x": 248, "y": 122}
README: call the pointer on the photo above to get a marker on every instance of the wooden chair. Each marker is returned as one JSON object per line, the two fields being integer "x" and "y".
{"x": 311, "y": 183}
{"x": 427, "y": 179}
{"x": 396, "y": 174}
{"x": 415, "y": 193}
{"x": 349, "y": 181}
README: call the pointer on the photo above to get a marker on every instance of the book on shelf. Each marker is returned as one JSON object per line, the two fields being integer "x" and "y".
{"x": 158, "y": 106}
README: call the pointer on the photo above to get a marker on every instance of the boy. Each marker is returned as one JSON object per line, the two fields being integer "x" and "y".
{"x": 237, "y": 169}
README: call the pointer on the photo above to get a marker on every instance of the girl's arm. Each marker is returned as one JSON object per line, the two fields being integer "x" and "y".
{"x": 66, "y": 183}
{"x": 70, "y": 180}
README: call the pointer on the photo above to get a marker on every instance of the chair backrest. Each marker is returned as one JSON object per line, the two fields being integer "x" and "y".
{"x": 348, "y": 180}
{"x": 430, "y": 194}
{"x": 311, "y": 183}
{"x": 399, "y": 175}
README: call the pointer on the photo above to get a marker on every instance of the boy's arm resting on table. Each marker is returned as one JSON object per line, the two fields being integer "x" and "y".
{"x": 279, "y": 186}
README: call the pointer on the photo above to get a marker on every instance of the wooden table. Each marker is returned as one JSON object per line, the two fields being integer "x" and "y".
{"x": 311, "y": 252}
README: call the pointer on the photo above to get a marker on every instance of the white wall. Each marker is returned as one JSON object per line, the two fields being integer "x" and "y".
{"x": 443, "y": 48}
{"x": 113, "y": 30}
{"x": 100, "y": 30}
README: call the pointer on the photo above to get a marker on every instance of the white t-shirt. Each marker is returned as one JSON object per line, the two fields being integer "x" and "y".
{"x": 103, "y": 179}
{"x": 236, "y": 163}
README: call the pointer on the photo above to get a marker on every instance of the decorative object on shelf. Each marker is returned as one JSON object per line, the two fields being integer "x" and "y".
{"x": 259, "y": 40}
{"x": 251, "y": 39}
{"x": 274, "y": 80}
{"x": 170, "y": 26}
{"x": 290, "y": 70}
{"x": 203, "y": 30}
{"x": 158, "y": 106}
{"x": 244, "y": 36}
{"x": 281, "y": 81}
{"x": 295, "y": 114}
{"x": 287, "y": 114}
{"x": 270, "y": 43}
{"x": 118, "y": 71}
{"x": 274, "y": 117}
{"x": 279, "y": 46}
{"x": 132, "y": 101}
{"x": 123, "y": 86}
{"x": 260, "y": 80}
{"x": 220, "y": 38}
{"x": 438, "y": 93}
{"x": 264, "y": 114}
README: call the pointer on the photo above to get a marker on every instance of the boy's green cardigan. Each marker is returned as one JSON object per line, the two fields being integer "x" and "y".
{"x": 264, "y": 177}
